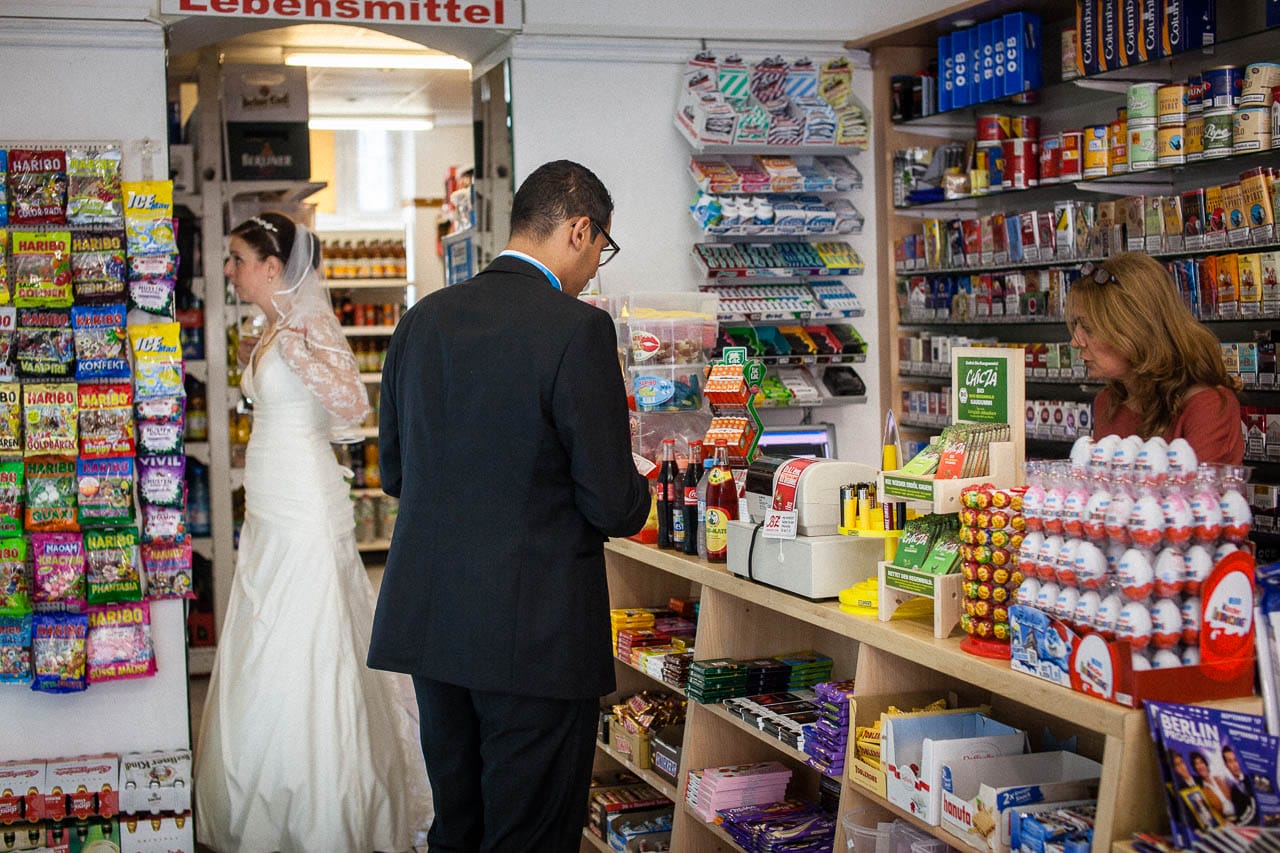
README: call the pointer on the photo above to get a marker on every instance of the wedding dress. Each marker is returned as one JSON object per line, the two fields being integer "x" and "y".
{"x": 303, "y": 748}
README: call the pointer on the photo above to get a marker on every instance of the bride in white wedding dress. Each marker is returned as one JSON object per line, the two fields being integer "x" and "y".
{"x": 302, "y": 748}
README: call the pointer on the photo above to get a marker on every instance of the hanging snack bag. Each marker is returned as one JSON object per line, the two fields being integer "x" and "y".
{"x": 101, "y": 351}
{"x": 49, "y": 414}
{"x": 40, "y": 269}
{"x": 37, "y": 186}
{"x": 165, "y": 409}
{"x": 164, "y": 522}
{"x": 161, "y": 480}
{"x": 119, "y": 644}
{"x": 8, "y": 341}
{"x": 112, "y": 565}
{"x": 152, "y": 280}
{"x": 157, "y": 358}
{"x": 5, "y": 297}
{"x": 93, "y": 187}
{"x": 44, "y": 344}
{"x": 12, "y": 490}
{"x": 10, "y": 419}
{"x": 160, "y": 438}
{"x": 4, "y": 187}
{"x": 148, "y": 217}
{"x": 104, "y": 491}
{"x": 167, "y": 563}
{"x": 106, "y": 420}
{"x": 51, "y": 493}
{"x": 15, "y": 649}
{"x": 15, "y": 578}
{"x": 98, "y": 266}
{"x": 57, "y": 571}
{"x": 58, "y": 652}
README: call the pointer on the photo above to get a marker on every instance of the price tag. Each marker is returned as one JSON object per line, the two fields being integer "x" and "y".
{"x": 779, "y": 524}
{"x": 644, "y": 464}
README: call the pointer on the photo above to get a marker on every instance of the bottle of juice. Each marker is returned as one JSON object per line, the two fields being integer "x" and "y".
{"x": 722, "y": 505}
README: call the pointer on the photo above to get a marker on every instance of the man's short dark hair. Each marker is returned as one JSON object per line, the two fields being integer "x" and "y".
{"x": 556, "y": 192}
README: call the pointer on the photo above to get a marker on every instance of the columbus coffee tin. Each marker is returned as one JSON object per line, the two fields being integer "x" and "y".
{"x": 1251, "y": 130}
{"x": 993, "y": 127}
{"x": 1171, "y": 104}
{"x": 1097, "y": 150}
{"x": 1050, "y": 159}
{"x": 1072, "y": 155}
{"x": 1142, "y": 148}
{"x": 1218, "y": 131}
{"x": 1021, "y": 167}
{"x": 1170, "y": 150}
{"x": 1259, "y": 79}
{"x": 1141, "y": 103}
{"x": 1027, "y": 127}
{"x": 1222, "y": 86}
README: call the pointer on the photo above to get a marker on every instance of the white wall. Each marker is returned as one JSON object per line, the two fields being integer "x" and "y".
{"x": 609, "y": 104}
{"x": 435, "y": 152}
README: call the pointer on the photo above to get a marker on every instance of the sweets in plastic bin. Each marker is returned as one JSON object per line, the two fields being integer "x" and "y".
{"x": 993, "y": 533}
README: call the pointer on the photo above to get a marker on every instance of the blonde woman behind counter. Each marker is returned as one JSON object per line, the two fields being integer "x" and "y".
{"x": 1163, "y": 369}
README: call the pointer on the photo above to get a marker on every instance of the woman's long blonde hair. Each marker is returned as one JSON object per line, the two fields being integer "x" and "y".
{"x": 1142, "y": 316}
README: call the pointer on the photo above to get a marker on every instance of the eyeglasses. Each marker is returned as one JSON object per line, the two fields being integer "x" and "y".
{"x": 1097, "y": 273}
{"x": 609, "y": 251}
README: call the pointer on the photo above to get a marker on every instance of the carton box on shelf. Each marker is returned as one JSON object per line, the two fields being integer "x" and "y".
{"x": 154, "y": 782}
{"x": 865, "y": 712}
{"x": 162, "y": 834}
{"x": 979, "y": 794}
{"x": 21, "y": 791}
{"x": 634, "y": 745}
{"x": 90, "y": 784}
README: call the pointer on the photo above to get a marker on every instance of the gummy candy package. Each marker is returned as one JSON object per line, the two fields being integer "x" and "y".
{"x": 106, "y": 420}
{"x": 8, "y": 341}
{"x": 93, "y": 187}
{"x": 57, "y": 571}
{"x": 119, "y": 644}
{"x": 15, "y": 649}
{"x": 101, "y": 351}
{"x": 112, "y": 566}
{"x": 104, "y": 491}
{"x": 51, "y": 493}
{"x": 44, "y": 344}
{"x": 37, "y": 186}
{"x": 4, "y": 187}
{"x": 58, "y": 652}
{"x": 49, "y": 417}
{"x": 40, "y": 269}
{"x": 98, "y": 266}
{"x": 5, "y": 296}
{"x": 12, "y": 490}
{"x": 15, "y": 578}
{"x": 167, "y": 563}
{"x": 148, "y": 217}
{"x": 10, "y": 419}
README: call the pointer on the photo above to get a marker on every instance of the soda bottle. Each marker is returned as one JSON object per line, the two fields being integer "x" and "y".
{"x": 668, "y": 477}
{"x": 679, "y": 533}
{"x": 707, "y": 464}
{"x": 689, "y": 511}
{"x": 722, "y": 505}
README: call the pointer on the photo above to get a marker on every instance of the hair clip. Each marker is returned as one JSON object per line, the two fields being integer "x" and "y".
{"x": 263, "y": 224}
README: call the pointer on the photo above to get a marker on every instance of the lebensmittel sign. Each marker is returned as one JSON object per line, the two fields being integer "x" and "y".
{"x": 982, "y": 389}
{"x": 491, "y": 14}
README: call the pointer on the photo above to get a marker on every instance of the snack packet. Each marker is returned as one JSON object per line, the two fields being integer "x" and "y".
{"x": 37, "y": 186}
{"x": 101, "y": 351}
{"x": 152, "y": 281}
{"x": 106, "y": 420}
{"x": 8, "y": 340}
{"x": 40, "y": 269}
{"x": 4, "y": 187}
{"x": 119, "y": 643}
{"x": 112, "y": 566}
{"x": 58, "y": 652}
{"x": 51, "y": 493}
{"x": 15, "y": 649}
{"x": 10, "y": 419}
{"x": 15, "y": 578}
{"x": 5, "y": 296}
{"x": 93, "y": 187}
{"x": 167, "y": 563}
{"x": 57, "y": 571}
{"x": 163, "y": 522}
{"x": 104, "y": 489}
{"x": 161, "y": 481}
{"x": 157, "y": 357}
{"x": 44, "y": 344}
{"x": 12, "y": 491}
{"x": 49, "y": 416}
{"x": 98, "y": 266}
{"x": 148, "y": 217}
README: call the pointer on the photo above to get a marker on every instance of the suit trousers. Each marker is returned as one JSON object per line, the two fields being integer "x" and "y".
{"x": 508, "y": 773}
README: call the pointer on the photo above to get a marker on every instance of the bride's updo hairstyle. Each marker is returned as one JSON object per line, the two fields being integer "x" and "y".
{"x": 270, "y": 235}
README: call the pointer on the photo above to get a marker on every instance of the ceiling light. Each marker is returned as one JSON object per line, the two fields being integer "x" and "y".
{"x": 370, "y": 123}
{"x": 377, "y": 59}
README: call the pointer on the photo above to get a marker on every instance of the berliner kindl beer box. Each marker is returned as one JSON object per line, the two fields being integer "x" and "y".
{"x": 265, "y": 108}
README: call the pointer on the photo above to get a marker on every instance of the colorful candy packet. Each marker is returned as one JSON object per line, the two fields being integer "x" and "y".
{"x": 94, "y": 196}
{"x": 49, "y": 417}
{"x": 148, "y": 217}
{"x": 104, "y": 489}
{"x": 112, "y": 566}
{"x": 119, "y": 643}
{"x": 15, "y": 578}
{"x": 163, "y": 522}
{"x": 58, "y": 652}
{"x": 51, "y": 493}
{"x": 106, "y": 420}
{"x": 161, "y": 481}
{"x": 157, "y": 358}
{"x": 152, "y": 281}
{"x": 57, "y": 571}
{"x": 44, "y": 344}
{"x": 15, "y": 649}
{"x": 98, "y": 266}
{"x": 5, "y": 296}
{"x": 10, "y": 419}
{"x": 101, "y": 351}
{"x": 12, "y": 490}
{"x": 4, "y": 187}
{"x": 8, "y": 340}
{"x": 37, "y": 186}
{"x": 167, "y": 563}
{"x": 40, "y": 269}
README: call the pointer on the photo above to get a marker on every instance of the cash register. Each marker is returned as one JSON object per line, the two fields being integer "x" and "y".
{"x": 819, "y": 561}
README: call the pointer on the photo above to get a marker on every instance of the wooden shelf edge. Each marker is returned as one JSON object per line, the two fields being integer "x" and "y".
{"x": 662, "y": 786}
{"x": 718, "y": 710}
{"x": 597, "y": 843}
{"x": 655, "y": 679}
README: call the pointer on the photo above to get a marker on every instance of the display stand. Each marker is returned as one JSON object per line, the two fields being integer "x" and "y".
{"x": 730, "y": 391}
{"x": 899, "y": 585}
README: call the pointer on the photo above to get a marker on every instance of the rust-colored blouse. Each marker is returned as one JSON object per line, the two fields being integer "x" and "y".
{"x": 1209, "y": 421}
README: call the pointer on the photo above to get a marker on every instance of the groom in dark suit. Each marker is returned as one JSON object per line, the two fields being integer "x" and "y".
{"x": 504, "y": 432}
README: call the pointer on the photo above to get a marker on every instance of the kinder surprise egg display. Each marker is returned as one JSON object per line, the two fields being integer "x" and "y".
{"x": 1191, "y": 656}
{"x": 1199, "y": 563}
{"x": 1028, "y": 552}
{"x": 1171, "y": 572}
{"x": 1223, "y": 550}
{"x": 1140, "y": 662}
{"x": 1134, "y": 624}
{"x": 1237, "y": 516}
{"x": 1165, "y": 659}
{"x": 1152, "y": 464}
{"x": 1166, "y": 623}
{"x": 1146, "y": 521}
{"x": 1108, "y": 614}
{"x": 1064, "y": 606}
{"x": 1046, "y": 558}
{"x": 1047, "y": 597}
{"x": 1055, "y": 497}
{"x": 1081, "y": 451}
{"x": 1087, "y": 609}
{"x": 1191, "y": 621}
{"x": 1206, "y": 509}
{"x": 1118, "y": 513}
{"x": 1090, "y": 565}
{"x": 1182, "y": 460}
{"x": 1177, "y": 517}
{"x": 1135, "y": 574}
{"x": 1102, "y": 452}
{"x": 1028, "y": 592}
{"x": 1064, "y": 565}
{"x": 1125, "y": 454}
{"x": 1074, "y": 510}
{"x": 1095, "y": 513}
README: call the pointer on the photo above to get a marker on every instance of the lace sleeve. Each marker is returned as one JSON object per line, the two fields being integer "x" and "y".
{"x": 316, "y": 350}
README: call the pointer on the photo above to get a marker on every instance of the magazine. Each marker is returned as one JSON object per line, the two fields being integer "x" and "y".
{"x": 1218, "y": 769}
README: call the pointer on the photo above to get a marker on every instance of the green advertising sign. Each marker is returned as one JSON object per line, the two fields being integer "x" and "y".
{"x": 906, "y": 580}
{"x": 906, "y": 487}
{"x": 982, "y": 390}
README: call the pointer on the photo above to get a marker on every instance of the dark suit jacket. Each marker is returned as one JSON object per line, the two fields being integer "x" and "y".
{"x": 504, "y": 432}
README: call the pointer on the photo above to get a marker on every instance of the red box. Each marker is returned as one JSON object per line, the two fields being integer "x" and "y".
{"x": 88, "y": 785}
